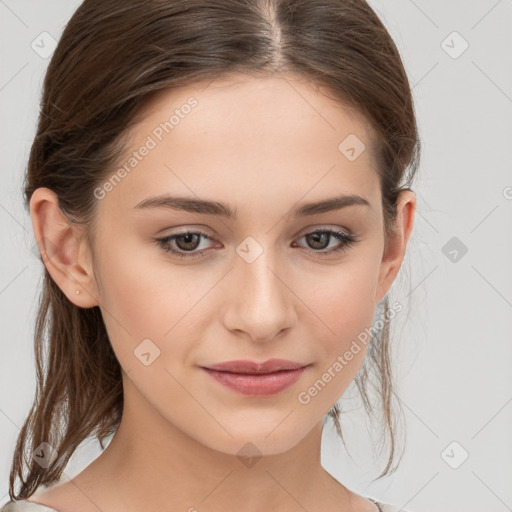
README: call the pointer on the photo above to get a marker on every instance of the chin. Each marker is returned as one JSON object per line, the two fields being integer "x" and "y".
{"x": 254, "y": 445}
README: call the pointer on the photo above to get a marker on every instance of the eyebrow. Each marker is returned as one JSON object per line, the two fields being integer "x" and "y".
{"x": 216, "y": 208}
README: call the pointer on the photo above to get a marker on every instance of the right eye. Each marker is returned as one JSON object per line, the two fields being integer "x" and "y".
{"x": 188, "y": 240}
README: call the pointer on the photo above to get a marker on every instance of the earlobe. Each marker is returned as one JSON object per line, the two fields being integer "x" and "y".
{"x": 394, "y": 251}
{"x": 59, "y": 242}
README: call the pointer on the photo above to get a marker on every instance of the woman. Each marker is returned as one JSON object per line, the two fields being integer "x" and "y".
{"x": 220, "y": 192}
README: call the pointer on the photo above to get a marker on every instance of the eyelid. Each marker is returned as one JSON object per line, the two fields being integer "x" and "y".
{"x": 344, "y": 236}
{"x": 164, "y": 242}
{"x": 305, "y": 231}
{"x": 326, "y": 227}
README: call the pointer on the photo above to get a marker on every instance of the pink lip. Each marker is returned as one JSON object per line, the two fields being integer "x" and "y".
{"x": 257, "y": 379}
{"x": 246, "y": 366}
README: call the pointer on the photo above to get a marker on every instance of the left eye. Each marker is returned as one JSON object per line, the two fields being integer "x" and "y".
{"x": 188, "y": 242}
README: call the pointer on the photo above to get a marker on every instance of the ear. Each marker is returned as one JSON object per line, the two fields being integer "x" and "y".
{"x": 64, "y": 249}
{"x": 394, "y": 250}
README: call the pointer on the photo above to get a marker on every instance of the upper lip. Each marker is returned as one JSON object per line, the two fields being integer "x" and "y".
{"x": 245, "y": 366}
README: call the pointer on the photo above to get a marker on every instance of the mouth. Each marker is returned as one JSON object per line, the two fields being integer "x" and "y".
{"x": 255, "y": 367}
{"x": 256, "y": 379}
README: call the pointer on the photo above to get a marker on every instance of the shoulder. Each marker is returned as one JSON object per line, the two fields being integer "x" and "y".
{"x": 55, "y": 498}
{"x": 385, "y": 507}
{"x": 29, "y": 506}
{"x": 25, "y": 506}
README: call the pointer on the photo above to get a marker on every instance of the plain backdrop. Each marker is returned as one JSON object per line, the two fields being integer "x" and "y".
{"x": 453, "y": 343}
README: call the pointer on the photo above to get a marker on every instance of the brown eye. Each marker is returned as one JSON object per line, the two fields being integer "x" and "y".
{"x": 190, "y": 241}
{"x": 186, "y": 243}
{"x": 319, "y": 240}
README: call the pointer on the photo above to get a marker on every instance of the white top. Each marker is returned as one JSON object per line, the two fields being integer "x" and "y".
{"x": 25, "y": 506}
{"x": 28, "y": 506}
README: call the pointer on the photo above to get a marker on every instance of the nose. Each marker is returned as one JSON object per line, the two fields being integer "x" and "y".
{"x": 259, "y": 302}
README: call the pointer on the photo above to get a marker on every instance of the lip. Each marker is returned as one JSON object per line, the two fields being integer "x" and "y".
{"x": 252, "y": 367}
{"x": 257, "y": 379}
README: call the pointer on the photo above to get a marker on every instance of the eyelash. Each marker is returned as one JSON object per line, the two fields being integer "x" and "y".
{"x": 347, "y": 242}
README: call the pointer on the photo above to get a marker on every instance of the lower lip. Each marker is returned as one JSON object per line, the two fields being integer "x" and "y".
{"x": 257, "y": 384}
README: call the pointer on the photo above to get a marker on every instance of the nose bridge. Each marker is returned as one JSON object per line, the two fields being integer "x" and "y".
{"x": 260, "y": 279}
{"x": 261, "y": 305}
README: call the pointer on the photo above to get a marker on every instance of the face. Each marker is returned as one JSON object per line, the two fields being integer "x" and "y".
{"x": 185, "y": 288}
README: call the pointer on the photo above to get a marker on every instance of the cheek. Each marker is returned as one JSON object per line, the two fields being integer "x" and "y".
{"x": 139, "y": 290}
{"x": 341, "y": 312}
{"x": 342, "y": 299}
{"x": 155, "y": 300}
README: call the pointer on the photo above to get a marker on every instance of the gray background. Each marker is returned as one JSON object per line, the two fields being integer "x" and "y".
{"x": 453, "y": 341}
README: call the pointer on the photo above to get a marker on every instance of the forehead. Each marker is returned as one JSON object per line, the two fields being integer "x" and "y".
{"x": 240, "y": 134}
{"x": 273, "y": 101}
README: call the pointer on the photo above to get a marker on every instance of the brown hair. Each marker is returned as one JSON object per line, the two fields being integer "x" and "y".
{"x": 112, "y": 57}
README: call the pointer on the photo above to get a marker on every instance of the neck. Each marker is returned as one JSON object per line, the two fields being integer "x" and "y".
{"x": 150, "y": 464}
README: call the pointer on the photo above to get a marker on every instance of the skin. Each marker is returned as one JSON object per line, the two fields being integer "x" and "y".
{"x": 262, "y": 145}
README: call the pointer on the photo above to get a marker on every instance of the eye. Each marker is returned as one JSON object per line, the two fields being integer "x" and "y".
{"x": 188, "y": 242}
{"x": 317, "y": 239}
